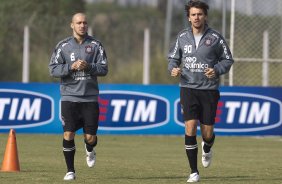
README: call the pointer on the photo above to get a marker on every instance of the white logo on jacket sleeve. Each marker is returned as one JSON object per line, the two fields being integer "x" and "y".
{"x": 57, "y": 55}
{"x": 182, "y": 34}
{"x": 215, "y": 35}
{"x": 64, "y": 44}
{"x": 175, "y": 49}
{"x": 101, "y": 51}
{"x": 225, "y": 49}
{"x": 94, "y": 42}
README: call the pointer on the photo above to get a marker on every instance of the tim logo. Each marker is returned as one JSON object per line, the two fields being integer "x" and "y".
{"x": 22, "y": 109}
{"x": 243, "y": 112}
{"x": 127, "y": 110}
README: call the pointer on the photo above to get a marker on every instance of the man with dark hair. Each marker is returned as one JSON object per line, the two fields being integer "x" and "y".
{"x": 78, "y": 61}
{"x": 199, "y": 56}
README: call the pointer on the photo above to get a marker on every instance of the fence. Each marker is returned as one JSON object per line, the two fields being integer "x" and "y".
{"x": 121, "y": 30}
{"x": 258, "y": 58}
{"x": 257, "y": 43}
{"x": 257, "y": 39}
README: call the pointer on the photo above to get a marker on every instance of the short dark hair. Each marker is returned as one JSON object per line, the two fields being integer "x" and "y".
{"x": 196, "y": 4}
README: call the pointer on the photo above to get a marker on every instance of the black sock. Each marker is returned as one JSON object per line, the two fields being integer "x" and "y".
{"x": 89, "y": 147}
{"x": 192, "y": 152}
{"x": 208, "y": 144}
{"x": 69, "y": 152}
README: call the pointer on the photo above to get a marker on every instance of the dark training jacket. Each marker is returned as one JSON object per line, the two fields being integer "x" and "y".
{"x": 212, "y": 52}
{"x": 78, "y": 86}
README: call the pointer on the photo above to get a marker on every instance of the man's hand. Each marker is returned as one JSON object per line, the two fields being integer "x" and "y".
{"x": 79, "y": 65}
{"x": 175, "y": 72}
{"x": 210, "y": 73}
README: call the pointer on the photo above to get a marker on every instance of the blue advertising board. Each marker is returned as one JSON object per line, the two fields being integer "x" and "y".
{"x": 141, "y": 109}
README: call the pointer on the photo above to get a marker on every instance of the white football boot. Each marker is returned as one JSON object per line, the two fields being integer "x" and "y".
{"x": 206, "y": 157}
{"x": 69, "y": 176}
{"x": 194, "y": 177}
{"x": 90, "y": 157}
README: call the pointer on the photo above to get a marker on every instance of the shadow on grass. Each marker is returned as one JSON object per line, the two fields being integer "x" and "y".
{"x": 150, "y": 177}
{"x": 240, "y": 178}
{"x": 212, "y": 178}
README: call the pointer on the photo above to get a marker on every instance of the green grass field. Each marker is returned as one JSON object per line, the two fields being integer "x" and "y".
{"x": 145, "y": 160}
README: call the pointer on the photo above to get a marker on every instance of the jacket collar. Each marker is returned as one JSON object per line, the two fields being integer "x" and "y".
{"x": 87, "y": 37}
{"x": 205, "y": 29}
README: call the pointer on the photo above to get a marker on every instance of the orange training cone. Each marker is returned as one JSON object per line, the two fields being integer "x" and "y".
{"x": 11, "y": 160}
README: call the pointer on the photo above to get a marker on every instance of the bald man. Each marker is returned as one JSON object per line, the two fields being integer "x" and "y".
{"x": 78, "y": 60}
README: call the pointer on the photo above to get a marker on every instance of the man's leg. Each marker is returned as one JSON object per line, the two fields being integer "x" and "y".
{"x": 192, "y": 149}
{"x": 208, "y": 141}
{"x": 70, "y": 117}
{"x": 90, "y": 142}
{"x": 208, "y": 136}
{"x": 91, "y": 117}
{"x": 191, "y": 144}
{"x": 69, "y": 152}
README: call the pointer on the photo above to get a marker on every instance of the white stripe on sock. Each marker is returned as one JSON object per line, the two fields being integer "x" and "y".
{"x": 191, "y": 146}
{"x": 69, "y": 149}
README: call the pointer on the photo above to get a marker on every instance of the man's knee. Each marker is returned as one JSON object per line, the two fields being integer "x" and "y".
{"x": 69, "y": 135}
{"x": 90, "y": 139}
{"x": 207, "y": 132}
{"x": 191, "y": 127}
{"x": 207, "y": 135}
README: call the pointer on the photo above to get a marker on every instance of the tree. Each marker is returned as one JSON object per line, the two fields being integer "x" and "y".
{"x": 48, "y": 22}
